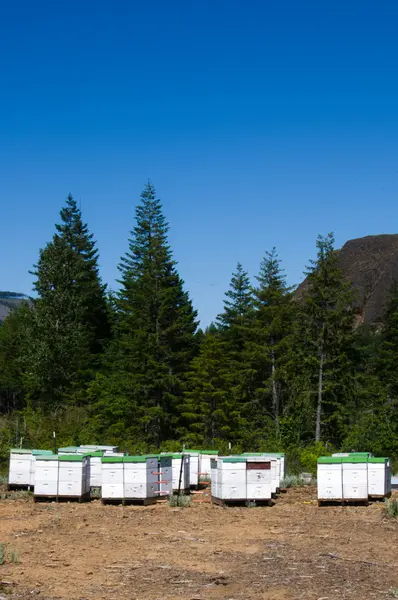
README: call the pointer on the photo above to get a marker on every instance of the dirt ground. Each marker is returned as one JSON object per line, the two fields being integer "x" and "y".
{"x": 292, "y": 550}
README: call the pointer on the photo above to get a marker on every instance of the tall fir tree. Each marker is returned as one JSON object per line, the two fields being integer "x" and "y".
{"x": 269, "y": 349}
{"x": 155, "y": 331}
{"x": 70, "y": 322}
{"x": 210, "y": 411}
{"x": 327, "y": 335}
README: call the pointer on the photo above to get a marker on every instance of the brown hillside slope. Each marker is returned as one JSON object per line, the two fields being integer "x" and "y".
{"x": 371, "y": 264}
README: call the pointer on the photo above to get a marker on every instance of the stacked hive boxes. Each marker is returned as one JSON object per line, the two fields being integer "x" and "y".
{"x": 205, "y": 468}
{"x": 277, "y": 467}
{"x": 136, "y": 477}
{"x": 20, "y": 468}
{"x": 165, "y": 475}
{"x": 46, "y": 476}
{"x": 180, "y": 471}
{"x": 353, "y": 476}
{"x": 112, "y": 477}
{"x": 95, "y": 469}
{"x": 379, "y": 477}
{"x": 194, "y": 467}
{"x": 242, "y": 478}
{"x": 73, "y": 476}
{"x": 330, "y": 478}
{"x": 141, "y": 476}
{"x": 36, "y": 453}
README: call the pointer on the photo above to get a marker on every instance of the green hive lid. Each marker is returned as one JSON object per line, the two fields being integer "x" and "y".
{"x": 191, "y": 451}
{"x": 234, "y": 459}
{"x": 94, "y": 453}
{"x": 215, "y": 452}
{"x": 134, "y": 459}
{"x": 71, "y": 458}
{"x": 71, "y": 449}
{"x": 21, "y": 451}
{"x": 360, "y": 454}
{"x": 39, "y": 452}
{"x": 325, "y": 460}
{"x": 47, "y": 457}
{"x": 355, "y": 458}
{"x": 112, "y": 459}
{"x": 378, "y": 459}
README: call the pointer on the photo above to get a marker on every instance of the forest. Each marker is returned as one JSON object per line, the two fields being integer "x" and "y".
{"x": 276, "y": 370}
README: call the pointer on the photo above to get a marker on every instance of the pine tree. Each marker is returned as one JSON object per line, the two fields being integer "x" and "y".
{"x": 70, "y": 324}
{"x": 239, "y": 300}
{"x": 328, "y": 321}
{"x": 209, "y": 410}
{"x": 269, "y": 349}
{"x": 156, "y": 326}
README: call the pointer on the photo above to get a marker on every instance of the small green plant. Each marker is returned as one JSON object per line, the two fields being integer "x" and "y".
{"x": 251, "y": 504}
{"x": 391, "y": 508}
{"x": 10, "y": 556}
{"x": 290, "y": 481}
{"x": 180, "y": 500}
{"x": 3, "y": 551}
{"x": 394, "y": 592}
{"x": 204, "y": 478}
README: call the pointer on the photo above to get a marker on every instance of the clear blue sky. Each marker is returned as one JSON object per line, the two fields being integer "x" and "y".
{"x": 260, "y": 123}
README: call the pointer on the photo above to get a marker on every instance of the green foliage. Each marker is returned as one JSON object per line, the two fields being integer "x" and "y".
{"x": 180, "y": 500}
{"x": 8, "y": 555}
{"x": 310, "y": 454}
{"x": 391, "y": 508}
{"x": 69, "y": 324}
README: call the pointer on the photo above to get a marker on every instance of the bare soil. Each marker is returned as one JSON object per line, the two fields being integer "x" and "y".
{"x": 292, "y": 550}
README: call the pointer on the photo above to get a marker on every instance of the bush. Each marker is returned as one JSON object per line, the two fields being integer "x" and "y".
{"x": 391, "y": 508}
{"x": 180, "y": 500}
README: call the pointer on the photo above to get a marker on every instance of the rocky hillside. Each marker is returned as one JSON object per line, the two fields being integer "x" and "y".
{"x": 8, "y": 301}
{"x": 371, "y": 264}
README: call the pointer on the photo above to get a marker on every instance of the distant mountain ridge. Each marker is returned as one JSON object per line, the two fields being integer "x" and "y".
{"x": 371, "y": 264}
{"x": 9, "y": 301}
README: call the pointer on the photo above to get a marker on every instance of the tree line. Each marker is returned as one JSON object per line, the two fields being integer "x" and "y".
{"x": 277, "y": 369}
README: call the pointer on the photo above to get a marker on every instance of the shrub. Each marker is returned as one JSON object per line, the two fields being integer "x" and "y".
{"x": 180, "y": 500}
{"x": 391, "y": 508}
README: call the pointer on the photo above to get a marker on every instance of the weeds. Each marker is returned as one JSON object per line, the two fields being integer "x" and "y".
{"x": 180, "y": 500}
{"x": 3, "y": 550}
{"x": 251, "y": 504}
{"x": 394, "y": 592}
{"x": 391, "y": 509}
{"x": 15, "y": 495}
{"x": 291, "y": 481}
{"x": 296, "y": 481}
{"x": 8, "y": 556}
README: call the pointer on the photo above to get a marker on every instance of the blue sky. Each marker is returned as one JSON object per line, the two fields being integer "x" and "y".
{"x": 261, "y": 124}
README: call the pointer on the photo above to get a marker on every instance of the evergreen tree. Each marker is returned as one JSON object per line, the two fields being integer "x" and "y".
{"x": 269, "y": 350}
{"x": 327, "y": 334}
{"x": 70, "y": 323}
{"x": 239, "y": 300}
{"x": 210, "y": 411}
{"x": 156, "y": 324}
